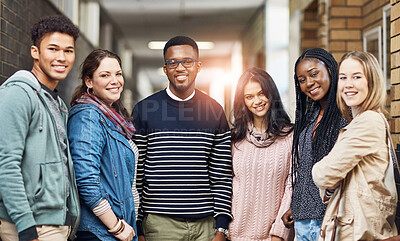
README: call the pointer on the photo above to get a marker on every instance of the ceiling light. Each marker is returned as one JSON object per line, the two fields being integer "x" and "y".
{"x": 161, "y": 44}
{"x": 206, "y": 45}
{"x": 156, "y": 44}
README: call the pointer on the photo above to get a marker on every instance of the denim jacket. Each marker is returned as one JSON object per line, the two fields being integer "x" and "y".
{"x": 104, "y": 167}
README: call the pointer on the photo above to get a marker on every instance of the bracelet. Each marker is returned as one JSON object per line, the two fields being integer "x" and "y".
{"x": 116, "y": 227}
{"x": 120, "y": 230}
{"x": 222, "y": 230}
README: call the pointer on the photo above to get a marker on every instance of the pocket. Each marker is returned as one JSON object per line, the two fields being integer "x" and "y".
{"x": 335, "y": 225}
{"x": 116, "y": 206}
{"x": 129, "y": 210}
{"x": 123, "y": 207}
{"x": 51, "y": 186}
{"x": 150, "y": 224}
{"x": 144, "y": 223}
{"x": 345, "y": 220}
{"x": 40, "y": 188}
{"x": 345, "y": 227}
{"x": 328, "y": 228}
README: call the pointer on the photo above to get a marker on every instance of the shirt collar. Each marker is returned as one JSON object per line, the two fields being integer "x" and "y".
{"x": 174, "y": 97}
{"x": 53, "y": 94}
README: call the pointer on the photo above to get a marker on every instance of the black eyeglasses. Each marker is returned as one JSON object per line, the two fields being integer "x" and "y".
{"x": 186, "y": 62}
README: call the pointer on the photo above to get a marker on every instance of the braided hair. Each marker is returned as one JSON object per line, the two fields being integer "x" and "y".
{"x": 326, "y": 132}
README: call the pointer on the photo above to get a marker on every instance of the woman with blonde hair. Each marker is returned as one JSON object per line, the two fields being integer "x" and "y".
{"x": 357, "y": 175}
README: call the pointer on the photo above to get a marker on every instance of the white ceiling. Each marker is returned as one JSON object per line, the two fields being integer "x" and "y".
{"x": 220, "y": 21}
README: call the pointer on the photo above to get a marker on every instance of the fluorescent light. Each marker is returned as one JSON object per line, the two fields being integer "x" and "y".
{"x": 206, "y": 45}
{"x": 156, "y": 44}
{"x": 161, "y": 44}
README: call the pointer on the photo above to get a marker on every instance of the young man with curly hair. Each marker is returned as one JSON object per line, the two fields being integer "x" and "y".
{"x": 38, "y": 194}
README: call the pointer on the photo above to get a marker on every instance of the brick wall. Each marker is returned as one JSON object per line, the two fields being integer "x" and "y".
{"x": 395, "y": 70}
{"x": 323, "y": 23}
{"x": 17, "y": 18}
{"x": 309, "y": 27}
{"x": 347, "y": 21}
{"x": 345, "y": 26}
{"x": 314, "y": 26}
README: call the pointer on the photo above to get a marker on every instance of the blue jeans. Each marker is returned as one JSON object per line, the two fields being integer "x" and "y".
{"x": 307, "y": 229}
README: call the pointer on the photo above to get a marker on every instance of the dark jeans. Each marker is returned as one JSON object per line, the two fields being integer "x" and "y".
{"x": 86, "y": 236}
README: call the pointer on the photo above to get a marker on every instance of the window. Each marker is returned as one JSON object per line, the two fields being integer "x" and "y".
{"x": 68, "y": 7}
{"x": 386, "y": 44}
{"x": 89, "y": 21}
{"x": 372, "y": 41}
{"x": 377, "y": 42}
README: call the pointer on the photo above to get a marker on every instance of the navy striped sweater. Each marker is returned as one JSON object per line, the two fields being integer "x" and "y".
{"x": 184, "y": 168}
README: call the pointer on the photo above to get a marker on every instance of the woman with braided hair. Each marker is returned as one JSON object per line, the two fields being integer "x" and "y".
{"x": 317, "y": 124}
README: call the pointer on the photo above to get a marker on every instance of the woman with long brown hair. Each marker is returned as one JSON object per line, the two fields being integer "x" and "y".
{"x": 100, "y": 132}
{"x": 262, "y": 140}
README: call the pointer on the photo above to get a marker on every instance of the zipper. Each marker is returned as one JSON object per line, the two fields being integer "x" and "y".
{"x": 59, "y": 152}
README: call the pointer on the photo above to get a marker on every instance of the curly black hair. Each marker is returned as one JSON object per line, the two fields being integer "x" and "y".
{"x": 181, "y": 40}
{"x": 51, "y": 24}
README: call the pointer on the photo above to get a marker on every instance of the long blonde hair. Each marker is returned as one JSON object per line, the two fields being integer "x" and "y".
{"x": 376, "y": 97}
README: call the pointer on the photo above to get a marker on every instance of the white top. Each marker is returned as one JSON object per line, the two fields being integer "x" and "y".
{"x": 170, "y": 94}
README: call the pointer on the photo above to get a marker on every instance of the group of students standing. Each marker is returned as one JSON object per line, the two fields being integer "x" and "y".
{"x": 340, "y": 171}
{"x": 81, "y": 175}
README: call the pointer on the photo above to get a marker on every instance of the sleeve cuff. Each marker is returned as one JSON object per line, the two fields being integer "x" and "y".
{"x": 103, "y": 207}
{"x": 139, "y": 228}
{"x": 28, "y": 234}
{"x": 222, "y": 221}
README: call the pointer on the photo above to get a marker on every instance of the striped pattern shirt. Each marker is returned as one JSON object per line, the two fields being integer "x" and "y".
{"x": 184, "y": 168}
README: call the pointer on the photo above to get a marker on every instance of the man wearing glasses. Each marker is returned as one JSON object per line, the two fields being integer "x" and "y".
{"x": 184, "y": 173}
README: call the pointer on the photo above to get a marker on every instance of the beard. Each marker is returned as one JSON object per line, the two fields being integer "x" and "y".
{"x": 182, "y": 87}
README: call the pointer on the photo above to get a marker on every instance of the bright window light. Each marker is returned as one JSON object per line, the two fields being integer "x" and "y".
{"x": 161, "y": 44}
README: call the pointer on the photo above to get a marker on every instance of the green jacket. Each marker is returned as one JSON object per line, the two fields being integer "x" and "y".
{"x": 32, "y": 179}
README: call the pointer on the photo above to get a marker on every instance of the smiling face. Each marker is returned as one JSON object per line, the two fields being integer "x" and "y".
{"x": 314, "y": 79}
{"x": 352, "y": 85}
{"x": 256, "y": 100}
{"x": 54, "y": 58}
{"x": 182, "y": 79}
{"x": 107, "y": 81}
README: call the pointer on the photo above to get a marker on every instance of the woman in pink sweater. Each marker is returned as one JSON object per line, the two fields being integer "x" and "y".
{"x": 262, "y": 143}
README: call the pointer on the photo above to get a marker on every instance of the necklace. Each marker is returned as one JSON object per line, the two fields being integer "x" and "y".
{"x": 317, "y": 124}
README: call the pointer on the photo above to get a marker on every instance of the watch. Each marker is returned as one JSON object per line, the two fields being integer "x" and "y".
{"x": 222, "y": 230}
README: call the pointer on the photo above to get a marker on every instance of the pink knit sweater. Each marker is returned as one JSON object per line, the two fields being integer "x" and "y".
{"x": 261, "y": 190}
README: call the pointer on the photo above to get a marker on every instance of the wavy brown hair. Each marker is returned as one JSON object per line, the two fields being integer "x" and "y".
{"x": 88, "y": 67}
